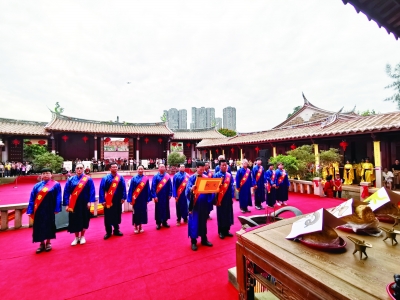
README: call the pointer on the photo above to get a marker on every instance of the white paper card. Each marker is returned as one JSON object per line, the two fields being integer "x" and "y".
{"x": 342, "y": 210}
{"x": 377, "y": 199}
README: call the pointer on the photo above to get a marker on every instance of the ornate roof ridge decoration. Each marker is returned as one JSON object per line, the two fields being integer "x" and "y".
{"x": 25, "y": 122}
{"x": 308, "y": 104}
{"x": 385, "y": 13}
{"x": 67, "y": 118}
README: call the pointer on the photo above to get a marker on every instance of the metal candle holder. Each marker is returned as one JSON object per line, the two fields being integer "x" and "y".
{"x": 390, "y": 234}
{"x": 360, "y": 246}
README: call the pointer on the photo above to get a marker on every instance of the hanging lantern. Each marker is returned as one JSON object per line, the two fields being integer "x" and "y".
{"x": 188, "y": 145}
{"x": 126, "y": 140}
{"x": 293, "y": 146}
{"x": 146, "y": 140}
{"x": 232, "y": 150}
{"x": 16, "y": 142}
{"x": 42, "y": 142}
{"x": 216, "y": 150}
{"x": 85, "y": 138}
{"x": 65, "y": 138}
{"x": 107, "y": 140}
{"x": 257, "y": 149}
{"x": 205, "y": 151}
{"x": 160, "y": 140}
{"x": 344, "y": 145}
{"x": 174, "y": 144}
{"x": 28, "y": 143}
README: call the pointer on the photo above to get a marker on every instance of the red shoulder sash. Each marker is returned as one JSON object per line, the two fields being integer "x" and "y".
{"x": 111, "y": 191}
{"x": 259, "y": 172}
{"x": 224, "y": 188}
{"x": 42, "y": 193}
{"x": 244, "y": 178}
{"x": 139, "y": 189}
{"x": 182, "y": 186}
{"x": 77, "y": 191}
{"x": 162, "y": 183}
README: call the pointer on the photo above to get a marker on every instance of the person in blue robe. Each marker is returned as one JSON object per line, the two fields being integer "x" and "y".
{"x": 44, "y": 221}
{"x": 282, "y": 185}
{"x": 112, "y": 215}
{"x": 161, "y": 199}
{"x": 259, "y": 188}
{"x": 78, "y": 220}
{"x": 139, "y": 215}
{"x": 245, "y": 189}
{"x": 181, "y": 203}
{"x": 208, "y": 173}
{"x": 217, "y": 168}
{"x": 225, "y": 208}
{"x": 270, "y": 183}
{"x": 198, "y": 212}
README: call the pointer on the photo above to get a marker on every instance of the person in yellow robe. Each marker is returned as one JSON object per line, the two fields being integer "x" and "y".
{"x": 335, "y": 166}
{"x": 331, "y": 170}
{"x": 348, "y": 174}
{"x": 367, "y": 171}
{"x": 324, "y": 172}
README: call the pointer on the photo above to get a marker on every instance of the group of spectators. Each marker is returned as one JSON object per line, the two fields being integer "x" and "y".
{"x": 15, "y": 168}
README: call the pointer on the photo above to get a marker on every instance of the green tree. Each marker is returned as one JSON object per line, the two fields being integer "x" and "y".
{"x": 367, "y": 112}
{"x": 295, "y": 110}
{"x": 305, "y": 158}
{"x": 330, "y": 156}
{"x": 290, "y": 163}
{"x": 395, "y": 75}
{"x": 48, "y": 160}
{"x": 175, "y": 159}
{"x": 164, "y": 117}
{"x": 227, "y": 132}
{"x": 30, "y": 151}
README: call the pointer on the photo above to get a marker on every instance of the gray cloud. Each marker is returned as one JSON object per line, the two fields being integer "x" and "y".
{"x": 257, "y": 56}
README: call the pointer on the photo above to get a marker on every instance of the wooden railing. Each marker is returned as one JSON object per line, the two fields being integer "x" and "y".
{"x": 15, "y": 210}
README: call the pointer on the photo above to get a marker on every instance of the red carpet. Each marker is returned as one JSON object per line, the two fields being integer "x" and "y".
{"x": 151, "y": 265}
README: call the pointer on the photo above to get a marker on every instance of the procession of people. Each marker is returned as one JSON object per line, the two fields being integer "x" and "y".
{"x": 192, "y": 207}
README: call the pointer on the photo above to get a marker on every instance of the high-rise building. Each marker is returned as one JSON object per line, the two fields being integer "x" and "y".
{"x": 218, "y": 123}
{"x": 229, "y": 115}
{"x": 202, "y": 117}
{"x": 177, "y": 119}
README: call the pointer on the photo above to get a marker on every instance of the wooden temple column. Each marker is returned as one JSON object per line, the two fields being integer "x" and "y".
{"x": 274, "y": 151}
{"x": 101, "y": 148}
{"x": 53, "y": 144}
{"x": 137, "y": 150}
{"x": 169, "y": 148}
{"x": 378, "y": 164}
{"x": 95, "y": 147}
{"x": 316, "y": 153}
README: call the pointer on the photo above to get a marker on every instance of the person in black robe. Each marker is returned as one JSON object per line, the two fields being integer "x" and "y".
{"x": 112, "y": 215}
{"x": 42, "y": 208}
{"x": 79, "y": 218}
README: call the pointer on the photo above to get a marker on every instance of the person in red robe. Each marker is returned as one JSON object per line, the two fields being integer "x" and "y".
{"x": 337, "y": 186}
{"x": 328, "y": 187}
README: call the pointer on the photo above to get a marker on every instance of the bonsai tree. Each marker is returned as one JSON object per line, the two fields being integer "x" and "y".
{"x": 305, "y": 159}
{"x": 30, "y": 151}
{"x": 48, "y": 160}
{"x": 330, "y": 156}
{"x": 175, "y": 159}
{"x": 290, "y": 163}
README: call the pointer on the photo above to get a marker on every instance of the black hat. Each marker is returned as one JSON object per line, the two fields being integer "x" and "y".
{"x": 200, "y": 164}
{"x": 46, "y": 170}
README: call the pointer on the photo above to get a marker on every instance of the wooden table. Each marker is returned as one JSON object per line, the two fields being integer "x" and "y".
{"x": 299, "y": 272}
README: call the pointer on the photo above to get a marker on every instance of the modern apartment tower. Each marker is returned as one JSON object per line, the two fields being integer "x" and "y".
{"x": 202, "y": 117}
{"x": 177, "y": 119}
{"x": 229, "y": 115}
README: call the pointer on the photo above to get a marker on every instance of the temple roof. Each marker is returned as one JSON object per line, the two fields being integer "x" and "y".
{"x": 20, "y": 127}
{"x": 356, "y": 125}
{"x": 70, "y": 124}
{"x": 309, "y": 113}
{"x": 386, "y": 13}
{"x": 196, "y": 134}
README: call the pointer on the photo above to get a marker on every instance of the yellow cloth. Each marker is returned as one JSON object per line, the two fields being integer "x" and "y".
{"x": 336, "y": 167}
{"x": 348, "y": 174}
{"x": 368, "y": 172}
{"x": 331, "y": 170}
{"x": 324, "y": 173}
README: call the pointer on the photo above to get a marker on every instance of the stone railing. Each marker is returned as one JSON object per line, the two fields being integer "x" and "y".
{"x": 18, "y": 210}
{"x": 301, "y": 186}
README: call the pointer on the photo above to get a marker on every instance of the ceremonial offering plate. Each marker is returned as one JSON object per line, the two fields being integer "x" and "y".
{"x": 390, "y": 291}
{"x": 326, "y": 247}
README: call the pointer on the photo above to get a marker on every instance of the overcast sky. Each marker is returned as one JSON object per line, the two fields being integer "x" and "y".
{"x": 258, "y": 56}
